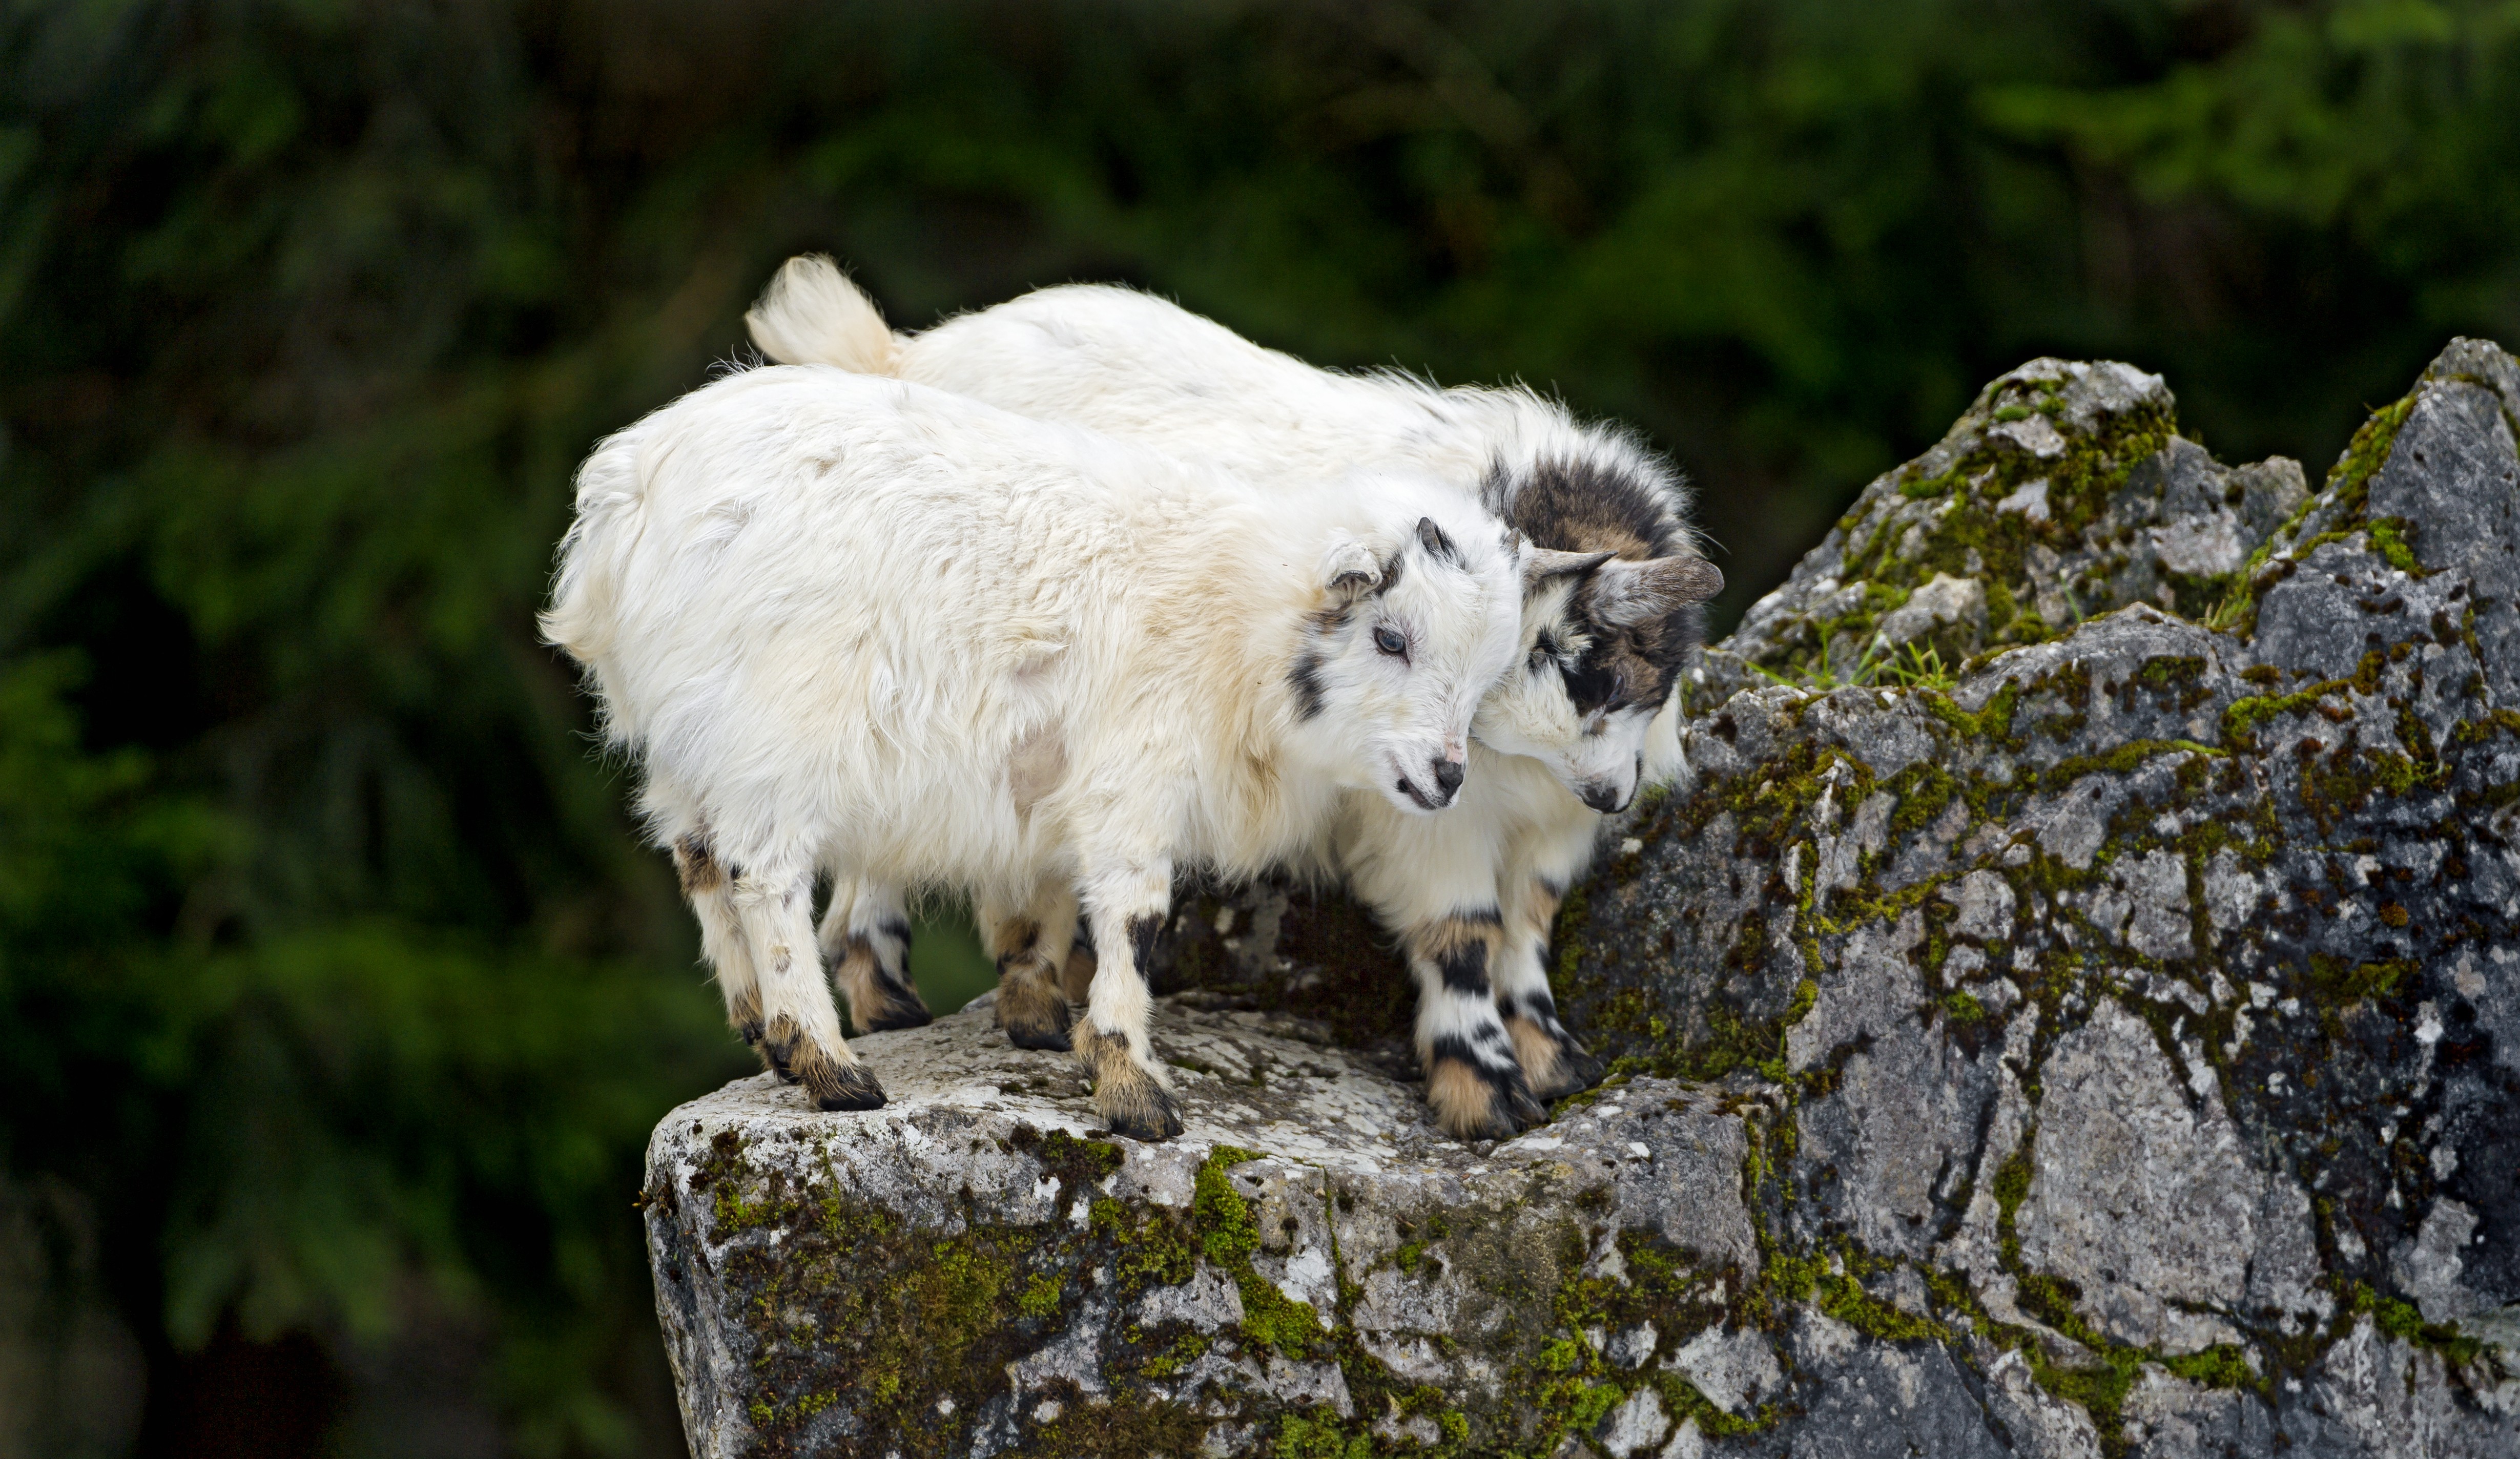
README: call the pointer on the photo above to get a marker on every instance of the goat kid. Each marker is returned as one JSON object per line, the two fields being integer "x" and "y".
{"x": 1584, "y": 720}
{"x": 929, "y": 643}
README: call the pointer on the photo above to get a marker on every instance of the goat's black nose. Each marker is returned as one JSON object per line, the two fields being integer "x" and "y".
{"x": 1605, "y": 797}
{"x": 1448, "y": 776}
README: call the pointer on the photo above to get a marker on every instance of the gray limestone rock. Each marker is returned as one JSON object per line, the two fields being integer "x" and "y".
{"x": 2140, "y": 1191}
{"x": 2069, "y": 1010}
{"x": 2064, "y": 492}
{"x": 976, "y": 1268}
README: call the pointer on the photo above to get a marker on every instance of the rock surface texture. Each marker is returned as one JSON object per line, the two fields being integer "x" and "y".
{"x": 2073, "y": 1008}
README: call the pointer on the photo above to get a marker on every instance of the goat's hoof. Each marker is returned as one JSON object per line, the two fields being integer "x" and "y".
{"x": 1553, "y": 1065}
{"x": 852, "y": 1088}
{"x": 1126, "y": 1093}
{"x": 1053, "y": 1040}
{"x": 912, "y": 1015}
{"x": 1576, "y": 1072}
{"x": 1502, "y": 1120}
{"x": 1475, "y": 1101}
{"x": 1034, "y": 1014}
{"x": 1146, "y": 1115}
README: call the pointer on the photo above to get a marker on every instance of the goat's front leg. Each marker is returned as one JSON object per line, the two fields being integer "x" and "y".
{"x": 707, "y": 886}
{"x": 800, "y": 1029}
{"x": 1128, "y": 908}
{"x": 1437, "y": 888}
{"x": 1553, "y": 1062}
{"x": 1473, "y": 1082}
{"x": 1031, "y": 947}
{"x": 865, "y": 943}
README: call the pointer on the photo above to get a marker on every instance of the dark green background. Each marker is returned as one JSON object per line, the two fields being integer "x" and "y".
{"x": 335, "y": 995}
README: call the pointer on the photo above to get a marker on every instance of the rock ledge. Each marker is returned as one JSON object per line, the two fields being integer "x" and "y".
{"x": 2072, "y": 1010}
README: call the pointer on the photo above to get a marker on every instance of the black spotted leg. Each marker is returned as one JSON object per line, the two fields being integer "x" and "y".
{"x": 865, "y": 940}
{"x": 1130, "y": 1093}
{"x": 1553, "y": 1064}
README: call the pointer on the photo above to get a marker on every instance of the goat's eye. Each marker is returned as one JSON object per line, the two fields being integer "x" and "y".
{"x": 1390, "y": 642}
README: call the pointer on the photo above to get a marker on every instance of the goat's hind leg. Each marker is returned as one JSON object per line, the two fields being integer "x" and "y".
{"x": 1032, "y": 948}
{"x": 1076, "y": 978}
{"x": 865, "y": 943}
{"x": 1112, "y": 1039}
{"x": 1553, "y": 1063}
{"x": 800, "y": 1023}
{"x": 707, "y": 887}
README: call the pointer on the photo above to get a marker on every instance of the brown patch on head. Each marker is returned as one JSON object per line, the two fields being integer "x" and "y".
{"x": 1126, "y": 1094}
{"x": 1591, "y": 504}
{"x": 1632, "y": 664}
{"x": 1595, "y": 505}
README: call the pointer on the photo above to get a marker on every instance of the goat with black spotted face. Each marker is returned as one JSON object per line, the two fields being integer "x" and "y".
{"x": 1613, "y": 588}
{"x": 1616, "y": 638}
{"x": 863, "y": 624}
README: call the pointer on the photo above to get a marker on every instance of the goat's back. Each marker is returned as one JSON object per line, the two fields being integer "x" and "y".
{"x": 832, "y": 605}
{"x": 1148, "y": 370}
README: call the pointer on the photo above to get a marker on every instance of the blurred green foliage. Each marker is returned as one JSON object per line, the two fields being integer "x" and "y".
{"x": 330, "y": 967}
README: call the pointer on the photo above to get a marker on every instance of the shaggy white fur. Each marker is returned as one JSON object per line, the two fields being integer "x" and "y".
{"x": 926, "y": 643}
{"x": 1583, "y": 722}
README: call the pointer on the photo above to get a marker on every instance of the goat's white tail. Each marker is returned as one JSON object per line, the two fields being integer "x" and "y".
{"x": 811, "y": 313}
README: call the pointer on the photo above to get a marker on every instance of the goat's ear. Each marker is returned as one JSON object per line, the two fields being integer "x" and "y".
{"x": 1625, "y": 592}
{"x": 1350, "y": 570}
{"x": 1542, "y": 565}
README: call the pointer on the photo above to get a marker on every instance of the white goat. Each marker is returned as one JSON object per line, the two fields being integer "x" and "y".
{"x": 1584, "y": 720}
{"x": 932, "y": 643}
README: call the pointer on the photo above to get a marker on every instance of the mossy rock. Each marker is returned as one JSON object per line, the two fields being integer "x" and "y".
{"x": 2102, "y": 1038}
{"x": 1310, "y": 1268}
{"x": 2065, "y": 492}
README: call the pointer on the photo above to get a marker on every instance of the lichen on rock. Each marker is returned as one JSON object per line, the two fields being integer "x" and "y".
{"x": 2064, "y": 492}
{"x": 2102, "y": 1045}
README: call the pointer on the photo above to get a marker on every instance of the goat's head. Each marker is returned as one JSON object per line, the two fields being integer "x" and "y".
{"x": 1416, "y": 621}
{"x": 1603, "y": 641}
{"x": 1612, "y": 595}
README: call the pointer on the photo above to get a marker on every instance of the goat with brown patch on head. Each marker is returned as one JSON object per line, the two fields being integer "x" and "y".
{"x": 931, "y": 645}
{"x": 1611, "y": 611}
